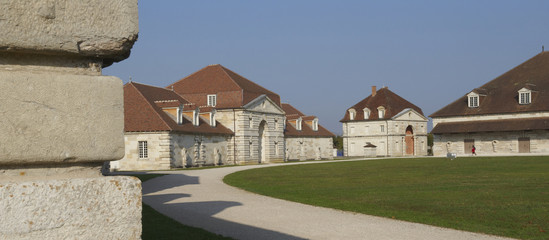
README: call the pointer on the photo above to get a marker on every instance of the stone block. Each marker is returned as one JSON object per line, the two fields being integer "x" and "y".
{"x": 60, "y": 118}
{"x": 97, "y": 28}
{"x": 81, "y": 208}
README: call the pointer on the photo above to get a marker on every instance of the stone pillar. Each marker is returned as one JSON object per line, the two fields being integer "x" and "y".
{"x": 61, "y": 120}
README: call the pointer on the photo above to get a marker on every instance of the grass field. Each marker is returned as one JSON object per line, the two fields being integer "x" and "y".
{"x": 159, "y": 226}
{"x": 506, "y": 196}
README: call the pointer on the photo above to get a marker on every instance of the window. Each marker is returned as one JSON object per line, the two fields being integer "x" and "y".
{"x": 472, "y": 100}
{"x": 382, "y": 128}
{"x": 352, "y": 114}
{"x": 298, "y": 124}
{"x": 366, "y": 113}
{"x": 381, "y": 112}
{"x": 315, "y": 125}
{"x": 352, "y": 130}
{"x": 212, "y": 100}
{"x": 143, "y": 151}
{"x": 525, "y": 96}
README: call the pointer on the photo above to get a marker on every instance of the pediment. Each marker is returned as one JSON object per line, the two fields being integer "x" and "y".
{"x": 409, "y": 114}
{"x": 263, "y": 104}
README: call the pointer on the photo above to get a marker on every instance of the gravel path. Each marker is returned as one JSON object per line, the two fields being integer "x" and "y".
{"x": 199, "y": 198}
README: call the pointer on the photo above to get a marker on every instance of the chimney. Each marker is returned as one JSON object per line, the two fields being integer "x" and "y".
{"x": 373, "y": 91}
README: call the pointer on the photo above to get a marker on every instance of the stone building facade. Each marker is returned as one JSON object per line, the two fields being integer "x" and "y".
{"x": 211, "y": 117}
{"x": 386, "y": 122}
{"x": 305, "y": 138}
{"x": 506, "y": 116}
{"x": 164, "y": 131}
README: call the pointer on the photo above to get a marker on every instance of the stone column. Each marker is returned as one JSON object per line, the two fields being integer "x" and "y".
{"x": 61, "y": 120}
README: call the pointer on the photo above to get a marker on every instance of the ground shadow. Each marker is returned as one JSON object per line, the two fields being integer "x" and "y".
{"x": 166, "y": 182}
{"x": 200, "y": 214}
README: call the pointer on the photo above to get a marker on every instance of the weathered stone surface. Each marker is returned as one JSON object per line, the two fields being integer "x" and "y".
{"x": 60, "y": 118}
{"x": 98, "y": 28}
{"x": 82, "y": 208}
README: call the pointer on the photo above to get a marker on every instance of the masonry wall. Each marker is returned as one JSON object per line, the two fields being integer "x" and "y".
{"x": 389, "y": 141}
{"x": 309, "y": 148}
{"x": 173, "y": 150}
{"x": 495, "y": 143}
{"x": 246, "y": 142}
{"x": 195, "y": 150}
{"x": 158, "y": 146}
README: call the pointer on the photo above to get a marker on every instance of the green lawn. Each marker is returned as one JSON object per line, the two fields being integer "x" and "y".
{"x": 159, "y": 226}
{"x": 507, "y": 196}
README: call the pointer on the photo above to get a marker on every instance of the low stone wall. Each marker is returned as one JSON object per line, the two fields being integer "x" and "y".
{"x": 303, "y": 148}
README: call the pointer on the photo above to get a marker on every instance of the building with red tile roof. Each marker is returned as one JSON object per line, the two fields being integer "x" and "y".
{"x": 251, "y": 111}
{"x": 163, "y": 130}
{"x": 387, "y": 121}
{"x": 214, "y": 116}
{"x": 507, "y": 115}
{"x": 305, "y": 138}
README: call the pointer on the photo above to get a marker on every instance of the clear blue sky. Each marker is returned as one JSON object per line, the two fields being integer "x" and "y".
{"x": 324, "y": 56}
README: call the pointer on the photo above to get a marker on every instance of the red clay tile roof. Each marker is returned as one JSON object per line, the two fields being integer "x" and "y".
{"x": 306, "y": 130}
{"x": 233, "y": 90}
{"x": 502, "y": 92}
{"x": 142, "y": 112}
{"x": 384, "y": 97}
{"x": 505, "y": 125}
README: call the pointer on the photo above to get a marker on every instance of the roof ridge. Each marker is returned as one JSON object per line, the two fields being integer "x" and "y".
{"x": 195, "y": 72}
{"x": 252, "y": 82}
{"x": 224, "y": 69}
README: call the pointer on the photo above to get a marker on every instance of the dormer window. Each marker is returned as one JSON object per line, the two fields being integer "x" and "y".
{"x": 212, "y": 100}
{"x": 315, "y": 124}
{"x": 352, "y": 114}
{"x": 525, "y": 96}
{"x": 366, "y": 113}
{"x": 180, "y": 115}
{"x": 298, "y": 124}
{"x": 212, "y": 118}
{"x": 381, "y": 112}
{"x": 196, "y": 117}
{"x": 472, "y": 100}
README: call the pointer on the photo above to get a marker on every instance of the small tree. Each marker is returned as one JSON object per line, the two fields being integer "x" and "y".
{"x": 338, "y": 142}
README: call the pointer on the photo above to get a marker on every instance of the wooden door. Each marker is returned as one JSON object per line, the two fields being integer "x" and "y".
{"x": 468, "y": 145}
{"x": 409, "y": 140}
{"x": 524, "y": 145}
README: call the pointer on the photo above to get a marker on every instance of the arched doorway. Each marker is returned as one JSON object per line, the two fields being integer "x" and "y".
{"x": 261, "y": 142}
{"x": 409, "y": 140}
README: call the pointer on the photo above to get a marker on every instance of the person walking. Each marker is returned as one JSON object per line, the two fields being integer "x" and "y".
{"x": 474, "y": 150}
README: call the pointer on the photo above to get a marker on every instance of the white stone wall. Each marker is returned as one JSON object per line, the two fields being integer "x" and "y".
{"x": 158, "y": 145}
{"x": 245, "y": 143}
{"x": 309, "y": 148}
{"x": 173, "y": 150}
{"x": 193, "y": 150}
{"x": 495, "y": 143}
{"x": 389, "y": 142}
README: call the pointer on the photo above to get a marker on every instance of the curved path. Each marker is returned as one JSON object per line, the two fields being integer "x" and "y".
{"x": 199, "y": 198}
